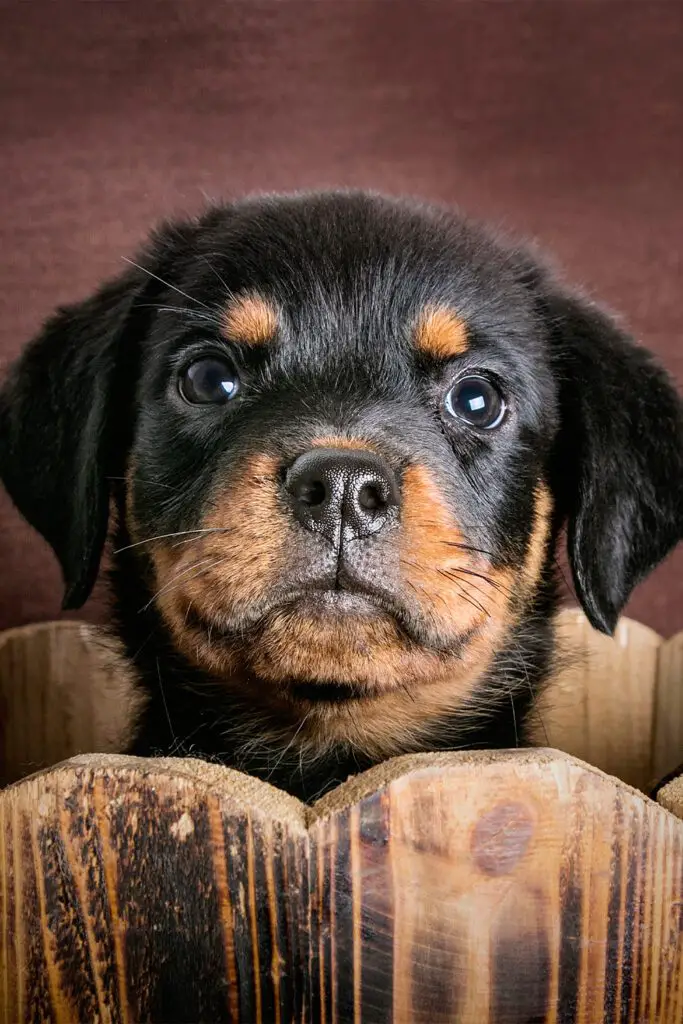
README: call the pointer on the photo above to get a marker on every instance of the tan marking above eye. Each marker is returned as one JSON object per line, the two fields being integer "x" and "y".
{"x": 250, "y": 319}
{"x": 441, "y": 333}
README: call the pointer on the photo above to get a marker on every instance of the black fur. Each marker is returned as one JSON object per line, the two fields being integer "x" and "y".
{"x": 591, "y": 413}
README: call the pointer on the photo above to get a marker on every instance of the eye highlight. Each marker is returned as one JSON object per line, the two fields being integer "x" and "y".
{"x": 477, "y": 401}
{"x": 210, "y": 380}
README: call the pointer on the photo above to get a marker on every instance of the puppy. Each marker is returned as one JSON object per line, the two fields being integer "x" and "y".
{"x": 339, "y": 435}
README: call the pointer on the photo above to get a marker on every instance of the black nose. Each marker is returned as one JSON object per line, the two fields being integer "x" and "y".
{"x": 342, "y": 494}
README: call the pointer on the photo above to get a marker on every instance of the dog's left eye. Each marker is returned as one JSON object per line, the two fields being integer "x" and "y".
{"x": 477, "y": 401}
{"x": 211, "y": 380}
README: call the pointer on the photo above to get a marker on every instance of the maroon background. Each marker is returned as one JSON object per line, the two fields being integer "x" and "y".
{"x": 561, "y": 119}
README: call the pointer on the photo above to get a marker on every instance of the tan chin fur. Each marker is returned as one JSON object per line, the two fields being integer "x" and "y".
{"x": 369, "y": 652}
{"x": 388, "y": 724}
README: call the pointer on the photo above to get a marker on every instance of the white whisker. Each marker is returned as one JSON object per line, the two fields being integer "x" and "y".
{"x": 167, "y": 536}
{"x": 166, "y": 284}
{"x": 202, "y": 566}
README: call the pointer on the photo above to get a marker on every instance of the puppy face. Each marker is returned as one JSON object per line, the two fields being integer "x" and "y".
{"x": 349, "y": 430}
{"x": 341, "y": 442}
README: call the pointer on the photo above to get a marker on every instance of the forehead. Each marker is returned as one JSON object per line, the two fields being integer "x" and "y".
{"x": 339, "y": 272}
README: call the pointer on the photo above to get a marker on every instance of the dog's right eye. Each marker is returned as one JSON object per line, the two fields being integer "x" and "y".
{"x": 212, "y": 380}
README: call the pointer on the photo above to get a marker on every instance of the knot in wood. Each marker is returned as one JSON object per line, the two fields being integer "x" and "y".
{"x": 501, "y": 838}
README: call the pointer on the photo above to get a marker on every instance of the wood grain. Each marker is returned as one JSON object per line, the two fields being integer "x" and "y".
{"x": 668, "y": 731}
{"x": 507, "y": 887}
{"x": 64, "y": 689}
{"x": 600, "y": 706}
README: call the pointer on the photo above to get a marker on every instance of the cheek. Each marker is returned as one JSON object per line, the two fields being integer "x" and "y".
{"x": 456, "y": 586}
{"x": 239, "y": 555}
{"x": 536, "y": 555}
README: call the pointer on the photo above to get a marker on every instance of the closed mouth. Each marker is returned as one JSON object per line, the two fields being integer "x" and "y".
{"x": 325, "y": 601}
{"x": 326, "y": 693}
{"x": 314, "y": 600}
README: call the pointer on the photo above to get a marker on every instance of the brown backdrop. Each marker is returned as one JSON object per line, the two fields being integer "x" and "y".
{"x": 560, "y": 118}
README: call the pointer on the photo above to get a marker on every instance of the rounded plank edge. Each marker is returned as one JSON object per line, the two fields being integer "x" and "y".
{"x": 175, "y": 889}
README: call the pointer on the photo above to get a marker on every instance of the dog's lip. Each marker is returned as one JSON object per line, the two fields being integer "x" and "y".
{"x": 317, "y": 598}
{"x": 326, "y": 693}
{"x": 359, "y": 602}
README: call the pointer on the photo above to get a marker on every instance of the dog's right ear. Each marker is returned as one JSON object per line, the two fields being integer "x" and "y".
{"x": 66, "y": 419}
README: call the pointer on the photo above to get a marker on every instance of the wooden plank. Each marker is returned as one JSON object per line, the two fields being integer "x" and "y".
{"x": 501, "y": 887}
{"x": 668, "y": 727}
{"x": 64, "y": 690}
{"x": 600, "y": 705}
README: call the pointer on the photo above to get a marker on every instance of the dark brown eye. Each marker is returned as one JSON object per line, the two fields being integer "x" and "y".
{"x": 476, "y": 401}
{"x": 209, "y": 381}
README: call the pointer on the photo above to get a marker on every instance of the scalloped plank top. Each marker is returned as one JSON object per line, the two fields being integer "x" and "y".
{"x": 505, "y": 887}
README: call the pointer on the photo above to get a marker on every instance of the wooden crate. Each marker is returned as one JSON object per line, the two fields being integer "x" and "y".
{"x": 473, "y": 887}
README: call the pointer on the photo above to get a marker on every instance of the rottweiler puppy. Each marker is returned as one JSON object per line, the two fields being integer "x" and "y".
{"x": 334, "y": 439}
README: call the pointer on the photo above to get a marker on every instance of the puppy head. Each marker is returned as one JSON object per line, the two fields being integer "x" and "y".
{"x": 350, "y": 429}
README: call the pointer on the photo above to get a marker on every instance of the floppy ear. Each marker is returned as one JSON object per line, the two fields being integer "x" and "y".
{"x": 618, "y": 463}
{"x": 66, "y": 421}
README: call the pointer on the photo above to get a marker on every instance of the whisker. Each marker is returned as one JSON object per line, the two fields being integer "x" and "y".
{"x": 163, "y": 697}
{"x": 222, "y": 280}
{"x": 560, "y": 569}
{"x": 179, "y": 744}
{"x": 406, "y": 688}
{"x": 166, "y": 536}
{"x": 149, "y": 483}
{"x": 289, "y": 745}
{"x": 430, "y": 597}
{"x": 190, "y": 540}
{"x": 141, "y": 648}
{"x": 171, "y": 584}
{"x": 533, "y": 695}
{"x": 475, "y": 604}
{"x": 467, "y": 547}
{"x": 514, "y": 715}
{"x": 166, "y": 284}
{"x": 465, "y": 596}
{"x": 450, "y": 576}
{"x": 193, "y": 314}
{"x": 416, "y": 588}
{"x": 473, "y": 586}
{"x": 484, "y": 577}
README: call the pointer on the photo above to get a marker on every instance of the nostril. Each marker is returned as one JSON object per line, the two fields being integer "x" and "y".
{"x": 311, "y": 492}
{"x": 343, "y": 495}
{"x": 370, "y": 497}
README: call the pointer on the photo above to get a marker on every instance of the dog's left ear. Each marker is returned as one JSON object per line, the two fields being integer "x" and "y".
{"x": 65, "y": 424}
{"x": 618, "y": 461}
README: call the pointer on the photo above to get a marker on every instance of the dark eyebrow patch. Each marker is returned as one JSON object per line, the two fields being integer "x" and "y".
{"x": 250, "y": 320}
{"x": 440, "y": 333}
